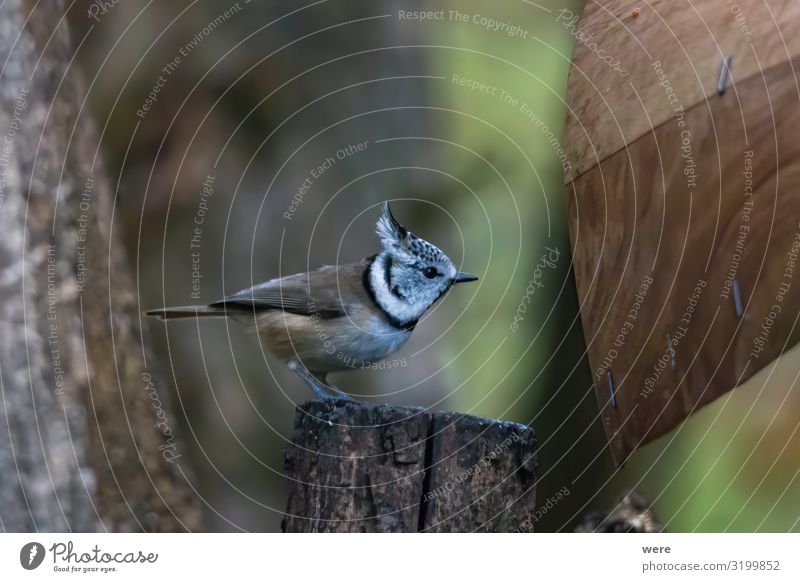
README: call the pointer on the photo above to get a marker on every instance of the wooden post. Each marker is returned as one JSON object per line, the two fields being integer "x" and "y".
{"x": 355, "y": 467}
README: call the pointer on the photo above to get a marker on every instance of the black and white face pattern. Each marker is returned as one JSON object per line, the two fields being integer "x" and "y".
{"x": 410, "y": 274}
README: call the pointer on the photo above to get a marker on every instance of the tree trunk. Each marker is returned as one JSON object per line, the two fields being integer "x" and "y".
{"x": 355, "y": 467}
{"x": 87, "y": 443}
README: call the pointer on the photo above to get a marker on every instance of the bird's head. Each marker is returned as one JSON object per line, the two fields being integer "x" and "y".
{"x": 409, "y": 274}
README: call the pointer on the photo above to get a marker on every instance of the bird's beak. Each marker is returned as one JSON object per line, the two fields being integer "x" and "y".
{"x": 465, "y": 278}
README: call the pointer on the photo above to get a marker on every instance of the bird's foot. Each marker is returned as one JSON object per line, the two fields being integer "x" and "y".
{"x": 318, "y": 386}
{"x": 339, "y": 393}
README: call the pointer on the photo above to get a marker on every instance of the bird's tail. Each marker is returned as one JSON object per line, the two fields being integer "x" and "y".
{"x": 188, "y": 311}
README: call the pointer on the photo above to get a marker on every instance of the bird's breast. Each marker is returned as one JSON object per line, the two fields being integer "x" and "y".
{"x": 327, "y": 345}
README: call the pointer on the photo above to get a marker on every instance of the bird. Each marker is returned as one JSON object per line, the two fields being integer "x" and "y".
{"x": 341, "y": 317}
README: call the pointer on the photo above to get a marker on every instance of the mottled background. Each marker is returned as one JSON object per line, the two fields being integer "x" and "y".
{"x": 276, "y": 88}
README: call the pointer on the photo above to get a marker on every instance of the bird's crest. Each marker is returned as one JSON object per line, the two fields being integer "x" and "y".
{"x": 401, "y": 243}
{"x": 393, "y": 235}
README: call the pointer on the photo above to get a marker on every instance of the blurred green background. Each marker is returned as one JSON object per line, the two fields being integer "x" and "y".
{"x": 462, "y": 120}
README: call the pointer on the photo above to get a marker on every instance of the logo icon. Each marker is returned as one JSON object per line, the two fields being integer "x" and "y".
{"x": 31, "y": 555}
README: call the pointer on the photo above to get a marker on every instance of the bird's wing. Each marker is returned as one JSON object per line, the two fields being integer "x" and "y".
{"x": 317, "y": 292}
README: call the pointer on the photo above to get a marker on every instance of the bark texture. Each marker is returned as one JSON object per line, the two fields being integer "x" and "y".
{"x": 631, "y": 514}
{"x": 86, "y": 439}
{"x": 355, "y": 467}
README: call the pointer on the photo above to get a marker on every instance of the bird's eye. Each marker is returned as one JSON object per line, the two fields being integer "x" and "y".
{"x": 430, "y": 272}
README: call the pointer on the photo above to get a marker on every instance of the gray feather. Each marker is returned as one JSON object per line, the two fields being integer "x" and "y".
{"x": 187, "y": 311}
{"x": 318, "y": 292}
{"x": 304, "y": 294}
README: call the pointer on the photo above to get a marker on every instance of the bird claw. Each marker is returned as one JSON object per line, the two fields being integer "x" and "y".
{"x": 320, "y": 392}
{"x": 338, "y": 393}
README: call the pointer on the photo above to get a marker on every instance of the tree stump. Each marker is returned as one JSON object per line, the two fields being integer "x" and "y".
{"x": 360, "y": 468}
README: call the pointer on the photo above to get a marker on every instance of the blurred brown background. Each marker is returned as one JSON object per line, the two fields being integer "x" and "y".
{"x": 262, "y": 94}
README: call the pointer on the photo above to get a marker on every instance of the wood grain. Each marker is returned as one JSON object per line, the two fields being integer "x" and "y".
{"x": 732, "y": 222}
{"x": 360, "y": 468}
{"x": 609, "y": 109}
{"x": 355, "y": 468}
{"x": 483, "y": 476}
